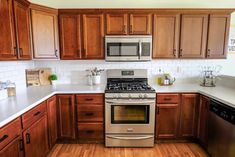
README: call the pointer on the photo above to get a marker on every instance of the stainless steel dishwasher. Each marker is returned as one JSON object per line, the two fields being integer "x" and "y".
{"x": 221, "y": 135}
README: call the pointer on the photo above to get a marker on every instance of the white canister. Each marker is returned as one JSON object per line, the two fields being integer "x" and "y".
{"x": 96, "y": 79}
{"x": 54, "y": 82}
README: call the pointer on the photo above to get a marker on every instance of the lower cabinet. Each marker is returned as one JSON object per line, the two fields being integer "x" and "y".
{"x": 66, "y": 117}
{"x": 52, "y": 121}
{"x": 176, "y": 116}
{"x": 13, "y": 149}
{"x": 203, "y": 121}
{"x": 36, "y": 139}
{"x": 167, "y": 121}
{"x": 188, "y": 115}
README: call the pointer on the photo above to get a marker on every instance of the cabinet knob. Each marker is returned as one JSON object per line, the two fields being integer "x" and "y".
{"x": 27, "y": 138}
{"x": 208, "y": 52}
{"x": 181, "y": 50}
{"x": 56, "y": 54}
{"x": 174, "y": 52}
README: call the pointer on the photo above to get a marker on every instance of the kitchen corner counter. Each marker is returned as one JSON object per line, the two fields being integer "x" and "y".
{"x": 28, "y": 98}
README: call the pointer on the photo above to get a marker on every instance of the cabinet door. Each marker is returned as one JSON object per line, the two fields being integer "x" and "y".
{"x": 188, "y": 115}
{"x": 166, "y": 36}
{"x": 93, "y": 36}
{"x": 22, "y": 30}
{"x": 140, "y": 24}
{"x": 52, "y": 120}
{"x": 8, "y": 49}
{"x": 66, "y": 116}
{"x": 203, "y": 116}
{"x": 116, "y": 24}
{"x": 45, "y": 35}
{"x": 193, "y": 36}
{"x": 14, "y": 149}
{"x": 36, "y": 139}
{"x": 70, "y": 36}
{"x": 218, "y": 36}
{"x": 167, "y": 121}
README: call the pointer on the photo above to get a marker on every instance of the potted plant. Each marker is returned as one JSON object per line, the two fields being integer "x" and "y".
{"x": 53, "y": 78}
{"x": 95, "y": 75}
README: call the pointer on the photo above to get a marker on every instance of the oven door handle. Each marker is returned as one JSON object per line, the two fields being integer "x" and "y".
{"x": 130, "y": 138}
{"x": 130, "y": 102}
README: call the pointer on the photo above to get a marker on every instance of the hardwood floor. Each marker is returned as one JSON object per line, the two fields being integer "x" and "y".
{"x": 98, "y": 150}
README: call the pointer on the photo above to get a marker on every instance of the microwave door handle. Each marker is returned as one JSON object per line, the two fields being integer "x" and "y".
{"x": 140, "y": 49}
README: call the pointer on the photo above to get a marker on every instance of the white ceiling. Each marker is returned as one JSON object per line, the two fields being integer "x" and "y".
{"x": 137, "y": 3}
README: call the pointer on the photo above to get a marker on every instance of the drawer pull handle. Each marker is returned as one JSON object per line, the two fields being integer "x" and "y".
{"x": 3, "y": 138}
{"x": 89, "y": 99}
{"x": 89, "y": 114}
{"x": 27, "y": 138}
{"x": 21, "y": 145}
{"x": 167, "y": 99}
{"x": 37, "y": 113}
{"x": 90, "y": 131}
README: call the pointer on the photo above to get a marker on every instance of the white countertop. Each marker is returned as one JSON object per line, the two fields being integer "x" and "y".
{"x": 28, "y": 98}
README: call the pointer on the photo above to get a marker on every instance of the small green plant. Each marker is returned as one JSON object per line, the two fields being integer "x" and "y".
{"x": 53, "y": 77}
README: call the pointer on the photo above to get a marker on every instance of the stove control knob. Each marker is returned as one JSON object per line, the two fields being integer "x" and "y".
{"x": 129, "y": 96}
{"x": 145, "y": 95}
{"x": 115, "y": 96}
{"x": 140, "y": 95}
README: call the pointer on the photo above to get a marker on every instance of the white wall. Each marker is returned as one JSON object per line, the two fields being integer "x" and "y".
{"x": 15, "y": 71}
{"x": 137, "y": 3}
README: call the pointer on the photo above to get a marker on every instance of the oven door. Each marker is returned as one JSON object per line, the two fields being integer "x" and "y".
{"x": 129, "y": 116}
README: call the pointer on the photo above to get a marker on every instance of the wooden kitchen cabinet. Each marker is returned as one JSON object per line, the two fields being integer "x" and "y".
{"x": 36, "y": 139}
{"x": 8, "y": 49}
{"x": 66, "y": 116}
{"x": 188, "y": 116}
{"x": 14, "y": 149}
{"x": 167, "y": 121}
{"x": 202, "y": 134}
{"x": 93, "y": 36}
{"x": 193, "y": 36}
{"x": 166, "y": 36}
{"x": 45, "y": 32}
{"x": 21, "y": 10}
{"x": 133, "y": 24}
{"x": 116, "y": 24}
{"x": 218, "y": 34}
{"x": 70, "y": 37}
{"x": 52, "y": 120}
{"x": 140, "y": 24}
{"x": 15, "y": 32}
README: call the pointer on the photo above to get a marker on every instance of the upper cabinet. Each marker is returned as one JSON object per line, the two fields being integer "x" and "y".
{"x": 44, "y": 32}
{"x": 70, "y": 36}
{"x": 193, "y": 36}
{"x": 116, "y": 24}
{"x": 218, "y": 36}
{"x": 93, "y": 36}
{"x": 15, "y": 31}
{"x": 86, "y": 45}
{"x": 133, "y": 24}
{"x": 21, "y": 9}
{"x": 166, "y": 36}
{"x": 7, "y": 39}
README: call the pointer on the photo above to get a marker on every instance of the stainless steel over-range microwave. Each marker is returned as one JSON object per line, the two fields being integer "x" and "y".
{"x": 128, "y": 48}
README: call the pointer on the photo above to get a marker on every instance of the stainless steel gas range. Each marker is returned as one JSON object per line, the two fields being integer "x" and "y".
{"x": 129, "y": 109}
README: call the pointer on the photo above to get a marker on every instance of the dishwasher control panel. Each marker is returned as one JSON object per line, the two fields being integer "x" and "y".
{"x": 223, "y": 111}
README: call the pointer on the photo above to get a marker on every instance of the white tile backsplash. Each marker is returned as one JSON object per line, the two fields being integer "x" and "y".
{"x": 75, "y": 71}
{"x": 15, "y": 71}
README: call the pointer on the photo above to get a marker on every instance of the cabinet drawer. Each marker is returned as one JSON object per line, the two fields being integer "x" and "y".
{"x": 10, "y": 132}
{"x": 90, "y": 131}
{"x": 90, "y": 99}
{"x": 167, "y": 98}
{"x": 90, "y": 113}
{"x": 33, "y": 115}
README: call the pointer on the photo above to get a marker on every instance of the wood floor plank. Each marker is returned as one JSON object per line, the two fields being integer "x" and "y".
{"x": 99, "y": 150}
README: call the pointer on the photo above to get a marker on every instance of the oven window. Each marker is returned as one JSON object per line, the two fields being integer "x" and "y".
{"x": 122, "y": 49}
{"x": 130, "y": 114}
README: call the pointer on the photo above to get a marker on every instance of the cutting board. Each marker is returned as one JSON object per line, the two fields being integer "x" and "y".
{"x": 38, "y": 77}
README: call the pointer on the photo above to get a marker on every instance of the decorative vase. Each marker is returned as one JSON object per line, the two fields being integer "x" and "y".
{"x": 96, "y": 79}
